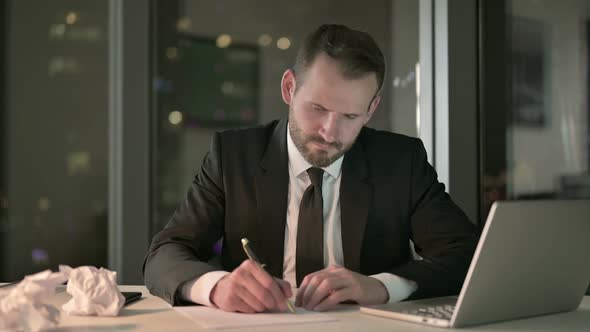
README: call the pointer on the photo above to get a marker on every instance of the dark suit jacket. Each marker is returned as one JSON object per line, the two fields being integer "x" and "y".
{"x": 389, "y": 194}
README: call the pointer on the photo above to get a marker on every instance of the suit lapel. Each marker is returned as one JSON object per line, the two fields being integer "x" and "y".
{"x": 354, "y": 205}
{"x": 272, "y": 187}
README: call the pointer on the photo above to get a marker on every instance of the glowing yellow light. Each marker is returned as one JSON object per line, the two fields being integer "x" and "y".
{"x": 172, "y": 52}
{"x": 264, "y": 40}
{"x": 223, "y": 41}
{"x": 44, "y": 204}
{"x": 78, "y": 162}
{"x": 283, "y": 43}
{"x": 175, "y": 117}
{"x": 183, "y": 24}
{"x": 71, "y": 18}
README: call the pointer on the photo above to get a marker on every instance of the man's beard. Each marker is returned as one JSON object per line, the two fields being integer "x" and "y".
{"x": 319, "y": 158}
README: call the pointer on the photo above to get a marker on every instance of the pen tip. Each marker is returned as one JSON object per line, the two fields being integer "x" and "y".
{"x": 244, "y": 241}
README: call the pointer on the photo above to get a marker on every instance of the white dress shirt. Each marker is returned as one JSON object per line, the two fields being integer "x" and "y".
{"x": 199, "y": 290}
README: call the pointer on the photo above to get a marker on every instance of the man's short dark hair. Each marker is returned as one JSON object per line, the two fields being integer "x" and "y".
{"x": 356, "y": 51}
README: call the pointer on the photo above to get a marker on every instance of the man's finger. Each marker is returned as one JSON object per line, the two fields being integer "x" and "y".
{"x": 249, "y": 299}
{"x": 327, "y": 286}
{"x": 303, "y": 288}
{"x": 285, "y": 287}
{"x": 333, "y": 299}
{"x": 311, "y": 289}
{"x": 239, "y": 305}
{"x": 272, "y": 292}
{"x": 299, "y": 295}
{"x": 256, "y": 288}
{"x": 268, "y": 291}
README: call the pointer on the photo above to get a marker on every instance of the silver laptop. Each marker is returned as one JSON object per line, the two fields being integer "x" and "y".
{"x": 533, "y": 258}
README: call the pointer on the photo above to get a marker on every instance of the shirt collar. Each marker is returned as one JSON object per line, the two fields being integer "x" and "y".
{"x": 298, "y": 164}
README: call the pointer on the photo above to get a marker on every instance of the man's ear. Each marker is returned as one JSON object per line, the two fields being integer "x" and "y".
{"x": 373, "y": 107}
{"x": 288, "y": 84}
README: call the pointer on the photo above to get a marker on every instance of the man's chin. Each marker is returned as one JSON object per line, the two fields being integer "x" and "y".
{"x": 321, "y": 159}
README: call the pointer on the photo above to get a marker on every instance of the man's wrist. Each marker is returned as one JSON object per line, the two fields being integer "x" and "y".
{"x": 199, "y": 290}
{"x": 214, "y": 290}
{"x": 383, "y": 296}
{"x": 397, "y": 288}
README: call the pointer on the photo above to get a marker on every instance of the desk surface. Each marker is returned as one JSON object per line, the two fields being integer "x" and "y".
{"x": 153, "y": 314}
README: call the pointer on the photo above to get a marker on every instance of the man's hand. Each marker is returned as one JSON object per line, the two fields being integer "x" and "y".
{"x": 249, "y": 288}
{"x": 322, "y": 290}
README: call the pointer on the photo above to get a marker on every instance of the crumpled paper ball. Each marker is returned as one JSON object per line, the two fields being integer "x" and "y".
{"x": 94, "y": 291}
{"x": 23, "y": 307}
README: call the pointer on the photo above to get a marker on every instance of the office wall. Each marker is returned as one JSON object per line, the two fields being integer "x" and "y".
{"x": 538, "y": 156}
{"x": 3, "y": 143}
{"x": 402, "y": 67}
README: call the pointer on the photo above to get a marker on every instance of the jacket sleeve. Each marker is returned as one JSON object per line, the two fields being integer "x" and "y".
{"x": 181, "y": 251}
{"x": 442, "y": 234}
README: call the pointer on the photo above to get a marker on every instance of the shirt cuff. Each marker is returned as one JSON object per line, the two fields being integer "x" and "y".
{"x": 398, "y": 288}
{"x": 199, "y": 290}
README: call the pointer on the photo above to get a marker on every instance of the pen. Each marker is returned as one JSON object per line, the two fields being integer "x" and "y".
{"x": 250, "y": 253}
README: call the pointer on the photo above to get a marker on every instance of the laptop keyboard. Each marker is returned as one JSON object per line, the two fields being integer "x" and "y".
{"x": 440, "y": 311}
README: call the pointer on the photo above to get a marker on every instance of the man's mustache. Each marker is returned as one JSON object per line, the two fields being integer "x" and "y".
{"x": 318, "y": 139}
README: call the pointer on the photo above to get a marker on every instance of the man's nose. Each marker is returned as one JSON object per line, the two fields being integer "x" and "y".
{"x": 329, "y": 128}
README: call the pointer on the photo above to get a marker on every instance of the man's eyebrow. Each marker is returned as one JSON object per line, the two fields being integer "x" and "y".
{"x": 325, "y": 109}
{"x": 318, "y": 105}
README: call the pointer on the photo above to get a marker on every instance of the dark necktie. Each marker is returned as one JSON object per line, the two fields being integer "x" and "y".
{"x": 310, "y": 228}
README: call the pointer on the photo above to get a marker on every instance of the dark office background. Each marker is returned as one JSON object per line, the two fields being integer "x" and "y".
{"x": 533, "y": 111}
{"x": 53, "y": 183}
{"x": 3, "y": 113}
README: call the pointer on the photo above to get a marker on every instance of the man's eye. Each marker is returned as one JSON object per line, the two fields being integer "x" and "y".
{"x": 351, "y": 116}
{"x": 317, "y": 108}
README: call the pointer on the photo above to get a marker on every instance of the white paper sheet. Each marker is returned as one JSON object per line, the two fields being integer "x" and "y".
{"x": 212, "y": 318}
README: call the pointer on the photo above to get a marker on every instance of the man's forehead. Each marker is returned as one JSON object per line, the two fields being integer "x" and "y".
{"x": 337, "y": 95}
